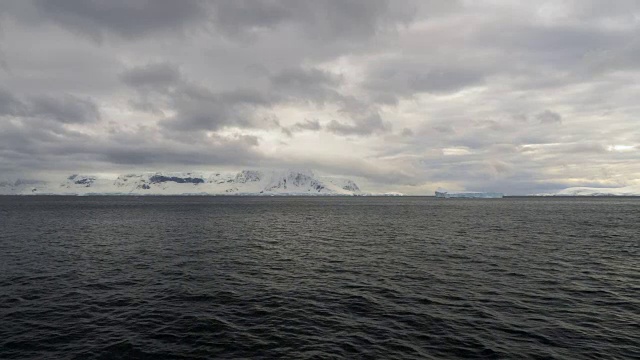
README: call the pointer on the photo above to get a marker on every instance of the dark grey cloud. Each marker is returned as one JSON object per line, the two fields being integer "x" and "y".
{"x": 362, "y": 126}
{"x": 10, "y": 104}
{"x": 309, "y": 85}
{"x": 63, "y": 108}
{"x": 125, "y": 18}
{"x": 32, "y": 138}
{"x": 405, "y": 78}
{"x": 325, "y": 20}
{"x": 248, "y": 97}
{"x": 4, "y": 65}
{"x": 406, "y": 132}
{"x": 339, "y": 21}
{"x": 225, "y": 152}
{"x": 152, "y": 76}
{"x": 198, "y": 108}
{"x": 306, "y": 125}
{"x": 549, "y": 117}
{"x": 33, "y": 144}
{"x": 313, "y": 125}
{"x": 243, "y": 17}
{"x": 66, "y": 109}
{"x": 443, "y": 80}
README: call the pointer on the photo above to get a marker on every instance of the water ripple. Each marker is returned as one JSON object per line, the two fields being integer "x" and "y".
{"x": 315, "y": 278}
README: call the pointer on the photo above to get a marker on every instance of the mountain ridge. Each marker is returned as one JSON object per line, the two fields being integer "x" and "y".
{"x": 245, "y": 182}
{"x": 632, "y": 190}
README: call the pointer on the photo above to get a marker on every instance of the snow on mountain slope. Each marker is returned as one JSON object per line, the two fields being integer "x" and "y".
{"x": 590, "y": 191}
{"x": 246, "y": 182}
{"x": 344, "y": 184}
{"x": 21, "y": 187}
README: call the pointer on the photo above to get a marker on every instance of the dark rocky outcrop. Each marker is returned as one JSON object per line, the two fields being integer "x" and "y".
{"x": 155, "y": 179}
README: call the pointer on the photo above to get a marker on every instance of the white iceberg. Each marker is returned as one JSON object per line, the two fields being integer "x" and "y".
{"x": 442, "y": 193}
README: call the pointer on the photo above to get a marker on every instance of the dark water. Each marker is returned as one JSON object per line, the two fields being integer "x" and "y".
{"x": 225, "y": 277}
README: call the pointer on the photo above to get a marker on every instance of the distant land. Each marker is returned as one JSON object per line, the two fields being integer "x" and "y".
{"x": 246, "y": 182}
{"x": 592, "y": 191}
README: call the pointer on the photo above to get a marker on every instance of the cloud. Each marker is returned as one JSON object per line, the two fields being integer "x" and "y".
{"x": 307, "y": 85}
{"x": 219, "y": 151}
{"x": 66, "y": 109}
{"x": 4, "y": 65}
{"x": 10, "y": 105}
{"x": 406, "y": 132}
{"x": 405, "y": 78}
{"x": 307, "y": 125}
{"x": 405, "y": 95}
{"x": 313, "y": 125}
{"x": 362, "y": 126}
{"x": 198, "y": 109}
{"x": 323, "y": 20}
{"x": 50, "y": 146}
{"x": 63, "y": 108}
{"x": 152, "y": 76}
{"x": 124, "y": 18}
{"x": 549, "y": 117}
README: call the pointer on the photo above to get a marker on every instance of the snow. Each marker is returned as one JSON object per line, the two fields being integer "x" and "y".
{"x": 443, "y": 193}
{"x": 245, "y": 182}
{"x": 633, "y": 190}
{"x": 392, "y": 193}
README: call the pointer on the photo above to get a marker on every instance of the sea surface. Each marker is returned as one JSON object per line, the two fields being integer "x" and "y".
{"x": 319, "y": 277}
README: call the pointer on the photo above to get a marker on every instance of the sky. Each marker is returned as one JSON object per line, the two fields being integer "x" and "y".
{"x": 515, "y": 96}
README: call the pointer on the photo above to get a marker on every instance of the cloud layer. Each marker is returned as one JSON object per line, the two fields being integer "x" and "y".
{"x": 402, "y": 95}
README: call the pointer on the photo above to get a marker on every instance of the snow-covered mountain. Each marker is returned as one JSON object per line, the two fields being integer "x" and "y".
{"x": 246, "y": 182}
{"x": 590, "y": 191}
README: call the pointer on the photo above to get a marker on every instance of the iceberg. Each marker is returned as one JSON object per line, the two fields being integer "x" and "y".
{"x": 442, "y": 193}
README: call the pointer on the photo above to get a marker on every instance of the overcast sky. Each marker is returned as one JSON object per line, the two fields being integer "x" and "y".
{"x": 516, "y": 96}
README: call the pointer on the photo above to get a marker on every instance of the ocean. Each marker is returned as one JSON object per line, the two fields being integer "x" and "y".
{"x": 319, "y": 277}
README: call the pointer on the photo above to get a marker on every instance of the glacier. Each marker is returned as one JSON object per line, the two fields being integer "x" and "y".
{"x": 245, "y": 182}
{"x": 632, "y": 190}
{"x": 443, "y": 193}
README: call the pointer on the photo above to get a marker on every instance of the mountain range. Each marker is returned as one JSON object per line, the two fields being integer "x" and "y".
{"x": 591, "y": 191}
{"x": 245, "y": 182}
